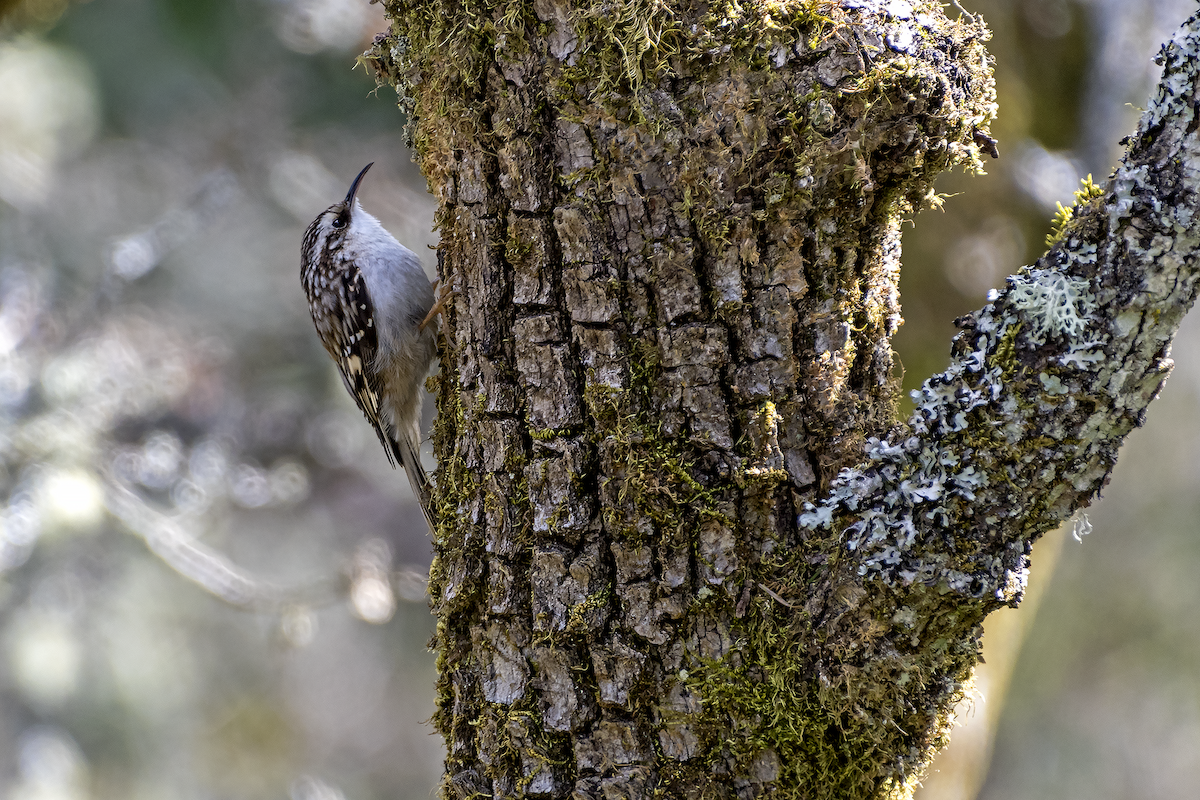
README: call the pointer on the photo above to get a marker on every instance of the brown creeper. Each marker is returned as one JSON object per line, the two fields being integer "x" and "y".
{"x": 369, "y": 299}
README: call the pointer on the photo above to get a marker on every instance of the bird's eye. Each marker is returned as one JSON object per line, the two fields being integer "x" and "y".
{"x": 339, "y": 221}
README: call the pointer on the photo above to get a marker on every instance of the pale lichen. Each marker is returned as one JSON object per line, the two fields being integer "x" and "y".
{"x": 1055, "y": 304}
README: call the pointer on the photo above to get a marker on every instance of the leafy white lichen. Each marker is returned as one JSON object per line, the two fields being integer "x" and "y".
{"x": 1055, "y": 304}
{"x": 1082, "y": 355}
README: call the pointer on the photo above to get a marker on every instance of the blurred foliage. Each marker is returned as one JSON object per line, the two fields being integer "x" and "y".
{"x": 27, "y": 14}
{"x": 170, "y": 422}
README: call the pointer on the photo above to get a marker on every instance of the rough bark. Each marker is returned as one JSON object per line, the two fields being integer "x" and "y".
{"x": 685, "y": 547}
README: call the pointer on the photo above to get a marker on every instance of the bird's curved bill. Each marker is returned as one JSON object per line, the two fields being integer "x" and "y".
{"x": 354, "y": 186}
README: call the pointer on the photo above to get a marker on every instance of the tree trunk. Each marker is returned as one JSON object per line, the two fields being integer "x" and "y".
{"x": 686, "y": 549}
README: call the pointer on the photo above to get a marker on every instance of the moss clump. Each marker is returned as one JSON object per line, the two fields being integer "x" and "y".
{"x": 1006, "y": 353}
{"x": 658, "y": 476}
{"x": 1062, "y": 218}
{"x": 577, "y": 620}
{"x": 825, "y": 725}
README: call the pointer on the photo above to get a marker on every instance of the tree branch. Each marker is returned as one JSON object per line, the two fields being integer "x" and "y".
{"x": 1047, "y": 379}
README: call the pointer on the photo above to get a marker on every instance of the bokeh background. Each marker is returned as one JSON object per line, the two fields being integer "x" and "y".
{"x": 210, "y": 578}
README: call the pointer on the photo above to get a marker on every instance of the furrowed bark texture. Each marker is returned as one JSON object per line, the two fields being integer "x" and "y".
{"x": 685, "y": 549}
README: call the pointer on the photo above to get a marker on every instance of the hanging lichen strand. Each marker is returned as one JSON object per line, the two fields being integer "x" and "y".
{"x": 674, "y": 231}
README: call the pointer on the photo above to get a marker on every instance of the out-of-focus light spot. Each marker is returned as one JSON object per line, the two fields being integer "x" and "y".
{"x": 373, "y": 599}
{"x": 306, "y": 787}
{"x": 70, "y": 499}
{"x": 134, "y": 256}
{"x": 289, "y": 483}
{"x": 302, "y": 185}
{"x": 65, "y": 378}
{"x": 126, "y": 465}
{"x": 1049, "y": 178}
{"x": 370, "y": 591}
{"x": 20, "y": 526}
{"x": 51, "y": 766}
{"x": 48, "y": 112}
{"x": 45, "y": 655}
{"x": 39, "y": 12}
{"x": 189, "y": 498}
{"x": 249, "y": 487}
{"x": 23, "y": 302}
{"x": 161, "y": 460}
{"x": 209, "y": 463}
{"x": 980, "y": 261}
{"x": 1051, "y": 19}
{"x": 310, "y": 26}
{"x": 335, "y": 439}
{"x": 298, "y": 626}
{"x": 22, "y": 522}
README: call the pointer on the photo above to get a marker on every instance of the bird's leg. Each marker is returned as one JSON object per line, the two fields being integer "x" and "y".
{"x": 439, "y": 307}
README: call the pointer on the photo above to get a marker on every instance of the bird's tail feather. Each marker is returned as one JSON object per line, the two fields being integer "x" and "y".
{"x": 410, "y": 458}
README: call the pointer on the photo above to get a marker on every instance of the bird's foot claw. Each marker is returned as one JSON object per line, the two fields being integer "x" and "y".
{"x": 439, "y": 306}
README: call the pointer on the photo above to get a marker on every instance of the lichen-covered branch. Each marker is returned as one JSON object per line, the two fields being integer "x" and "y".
{"x": 1047, "y": 379}
{"x": 686, "y": 549}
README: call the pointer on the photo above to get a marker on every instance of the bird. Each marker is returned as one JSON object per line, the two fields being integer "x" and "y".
{"x": 371, "y": 304}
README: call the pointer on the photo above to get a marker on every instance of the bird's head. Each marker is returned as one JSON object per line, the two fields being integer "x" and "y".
{"x": 341, "y": 225}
